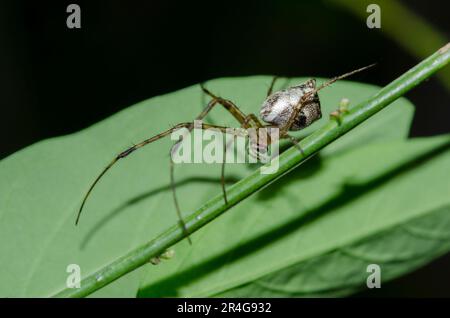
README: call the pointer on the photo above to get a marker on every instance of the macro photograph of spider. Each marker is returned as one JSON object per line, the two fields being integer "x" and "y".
{"x": 246, "y": 151}
{"x": 290, "y": 109}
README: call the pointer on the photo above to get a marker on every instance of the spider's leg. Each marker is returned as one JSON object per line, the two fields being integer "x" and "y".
{"x": 252, "y": 118}
{"x": 143, "y": 143}
{"x": 222, "y": 171}
{"x": 306, "y": 98}
{"x": 337, "y": 78}
{"x": 175, "y": 200}
{"x": 245, "y": 124}
{"x": 234, "y": 110}
{"x": 174, "y": 148}
{"x": 228, "y": 105}
{"x": 172, "y": 170}
{"x": 272, "y": 83}
{"x": 294, "y": 142}
{"x": 310, "y": 96}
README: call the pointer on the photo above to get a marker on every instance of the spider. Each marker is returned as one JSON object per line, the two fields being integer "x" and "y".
{"x": 289, "y": 109}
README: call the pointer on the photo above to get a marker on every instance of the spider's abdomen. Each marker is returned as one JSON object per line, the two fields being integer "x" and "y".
{"x": 278, "y": 107}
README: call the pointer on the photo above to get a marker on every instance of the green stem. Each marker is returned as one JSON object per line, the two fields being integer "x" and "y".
{"x": 288, "y": 160}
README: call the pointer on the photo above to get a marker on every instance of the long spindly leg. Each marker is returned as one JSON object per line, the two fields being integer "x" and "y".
{"x": 306, "y": 98}
{"x": 226, "y": 146}
{"x": 294, "y": 142}
{"x": 337, "y": 78}
{"x": 172, "y": 178}
{"x": 143, "y": 143}
{"x": 173, "y": 150}
{"x": 272, "y": 83}
{"x": 175, "y": 200}
{"x": 238, "y": 115}
{"x": 222, "y": 171}
{"x": 251, "y": 118}
{"x": 250, "y": 121}
{"x": 246, "y": 121}
{"x": 245, "y": 125}
{"x": 228, "y": 105}
{"x": 235, "y": 112}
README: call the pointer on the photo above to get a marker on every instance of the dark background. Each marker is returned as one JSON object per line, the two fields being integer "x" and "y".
{"x": 55, "y": 80}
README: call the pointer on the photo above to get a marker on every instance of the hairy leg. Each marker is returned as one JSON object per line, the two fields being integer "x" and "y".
{"x": 272, "y": 83}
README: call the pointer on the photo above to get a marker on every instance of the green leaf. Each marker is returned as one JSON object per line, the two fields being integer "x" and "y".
{"x": 315, "y": 231}
{"x": 397, "y": 250}
{"x": 41, "y": 187}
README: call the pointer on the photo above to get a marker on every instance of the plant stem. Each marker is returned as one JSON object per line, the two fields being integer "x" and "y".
{"x": 288, "y": 160}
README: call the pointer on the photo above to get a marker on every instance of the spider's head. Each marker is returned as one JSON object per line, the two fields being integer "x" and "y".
{"x": 278, "y": 107}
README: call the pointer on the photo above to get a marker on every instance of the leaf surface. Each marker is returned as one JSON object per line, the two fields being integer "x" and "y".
{"x": 315, "y": 231}
{"x": 41, "y": 188}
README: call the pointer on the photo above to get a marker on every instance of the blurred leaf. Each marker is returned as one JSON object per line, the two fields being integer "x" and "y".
{"x": 419, "y": 39}
{"x": 41, "y": 187}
